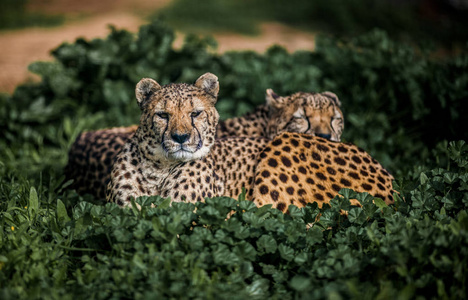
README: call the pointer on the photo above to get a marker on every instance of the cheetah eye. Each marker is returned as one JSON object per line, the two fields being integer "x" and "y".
{"x": 163, "y": 115}
{"x": 195, "y": 114}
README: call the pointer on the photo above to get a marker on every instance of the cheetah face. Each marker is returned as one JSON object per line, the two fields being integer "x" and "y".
{"x": 311, "y": 113}
{"x": 178, "y": 121}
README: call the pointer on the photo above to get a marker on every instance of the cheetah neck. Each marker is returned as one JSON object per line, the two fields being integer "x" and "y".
{"x": 151, "y": 151}
{"x": 250, "y": 124}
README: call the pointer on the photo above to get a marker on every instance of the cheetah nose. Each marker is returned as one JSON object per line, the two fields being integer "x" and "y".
{"x": 180, "y": 138}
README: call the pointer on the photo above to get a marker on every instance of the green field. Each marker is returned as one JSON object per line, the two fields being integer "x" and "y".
{"x": 402, "y": 103}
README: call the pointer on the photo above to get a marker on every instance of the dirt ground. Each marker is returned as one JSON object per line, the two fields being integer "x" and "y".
{"x": 90, "y": 19}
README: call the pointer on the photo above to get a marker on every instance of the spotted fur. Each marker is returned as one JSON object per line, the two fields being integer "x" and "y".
{"x": 91, "y": 157}
{"x": 93, "y": 153}
{"x": 299, "y": 169}
{"x": 292, "y": 168}
{"x": 177, "y": 128}
{"x": 312, "y": 113}
{"x": 150, "y": 162}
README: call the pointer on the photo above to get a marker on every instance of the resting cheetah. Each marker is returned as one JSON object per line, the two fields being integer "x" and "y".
{"x": 93, "y": 153}
{"x": 315, "y": 114}
{"x": 91, "y": 157}
{"x": 298, "y": 169}
{"x": 170, "y": 153}
{"x": 312, "y": 113}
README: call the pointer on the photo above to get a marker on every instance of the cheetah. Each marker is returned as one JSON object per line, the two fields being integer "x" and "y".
{"x": 299, "y": 168}
{"x": 312, "y": 113}
{"x": 91, "y": 157}
{"x": 315, "y": 114}
{"x": 174, "y": 154}
{"x": 170, "y": 153}
{"x": 93, "y": 153}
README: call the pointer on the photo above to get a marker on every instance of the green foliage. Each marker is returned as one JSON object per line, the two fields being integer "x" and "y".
{"x": 13, "y": 14}
{"x": 406, "y": 20}
{"x": 415, "y": 247}
{"x": 398, "y": 103}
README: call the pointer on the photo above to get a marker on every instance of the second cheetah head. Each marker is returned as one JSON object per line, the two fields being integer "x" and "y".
{"x": 312, "y": 113}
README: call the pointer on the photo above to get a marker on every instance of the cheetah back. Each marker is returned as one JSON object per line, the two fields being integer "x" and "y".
{"x": 299, "y": 169}
{"x": 91, "y": 157}
{"x": 236, "y": 160}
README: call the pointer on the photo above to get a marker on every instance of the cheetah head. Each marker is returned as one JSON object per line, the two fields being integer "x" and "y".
{"x": 312, "y": 113}
{"x": 178, "y": 121}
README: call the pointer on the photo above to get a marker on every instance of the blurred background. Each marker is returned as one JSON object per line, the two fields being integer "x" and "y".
{"x": 29, "y": 29}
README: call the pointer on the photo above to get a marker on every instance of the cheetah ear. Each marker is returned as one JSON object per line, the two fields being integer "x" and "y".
{"x": 145, "y": 89}
{"x": 333, "y": 97}
{"x": 209, "y": 83}
{"x": 273, "y": 99}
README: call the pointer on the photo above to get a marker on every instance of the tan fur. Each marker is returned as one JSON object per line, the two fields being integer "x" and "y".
{"x": 293, "y": 168}
{"x": 299, "y": 169}
{"x": 177, "y": 127}
{"x": 91, "y": 157}
{"x": 93, "y": 153}
{"x": 316, "y": 114}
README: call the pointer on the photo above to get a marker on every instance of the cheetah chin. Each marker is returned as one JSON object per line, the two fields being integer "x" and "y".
{"x": 184, "y": 154}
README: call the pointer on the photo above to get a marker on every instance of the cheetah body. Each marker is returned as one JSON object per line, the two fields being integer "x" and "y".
{"x": 92, "y": 155}
{"x": 150, "y": 163}
{"x": 299, "y": 169}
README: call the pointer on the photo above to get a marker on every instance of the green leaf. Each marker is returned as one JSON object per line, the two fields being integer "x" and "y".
{"x": 295, "y": 212}
{"x": 165, "y": 204}
{"x": 246, "y": 251}
{"x": 380, "y": 203}
{"x": 267, "y": 244}
{"x": 347, "y": 193}
{"x": 301, "y": 258}
{"x": 300, "y": 283}
{"x": 62, "y": 212}
{"x": 450, "y": 178}
{"x": 286, "y": 252}
{"x": 138, "y": 262}
{"x": 242, "y": 195}
{"x": 33, "y": 203}
{"x": 314, "y": 235}
{"x": 258, "y": 289}
{"x": 268, "y": 269}
{"x": 356, "y": 215}
{"x": 247, "y": 205}
{"x": 423, "y": 178}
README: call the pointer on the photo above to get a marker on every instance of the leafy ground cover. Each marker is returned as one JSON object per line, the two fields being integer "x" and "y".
{"x": 400, "y": 104}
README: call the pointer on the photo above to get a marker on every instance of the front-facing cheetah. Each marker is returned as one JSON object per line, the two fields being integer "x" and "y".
{"x": 93, "y": 153}
{"x": 174, "y": 154}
